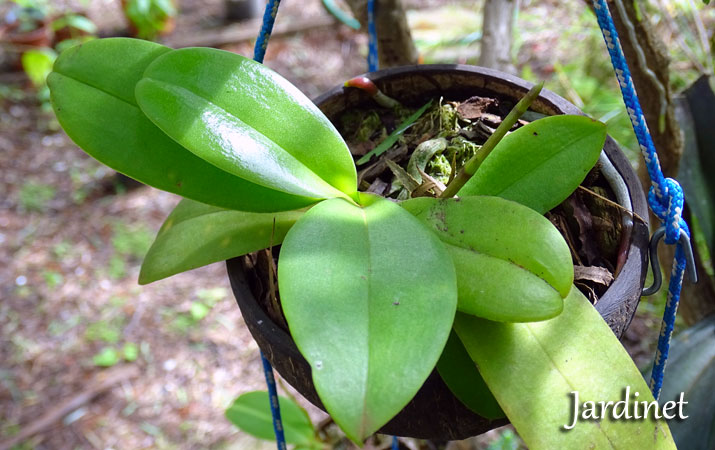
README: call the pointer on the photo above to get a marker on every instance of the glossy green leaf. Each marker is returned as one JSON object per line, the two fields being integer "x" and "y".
{"x": 369, "y": 295}
{"x": 92, "y": 89}
{"x": 533, "y": 368}
{"x": 540, "y": 164}
{"x": 196, "y": 234}
{"x": 247, "y": 120}
{"x": 461, "y": 376}
{"x": 512, "y": 264}
{"x": 251, "y": 412}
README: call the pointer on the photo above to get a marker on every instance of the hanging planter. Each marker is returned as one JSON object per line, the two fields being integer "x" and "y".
{"x": 435, "y": 413}
{"x": 377, "y": 294}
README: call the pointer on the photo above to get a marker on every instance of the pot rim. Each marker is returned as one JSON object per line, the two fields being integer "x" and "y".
{"x": 630, "y": 279}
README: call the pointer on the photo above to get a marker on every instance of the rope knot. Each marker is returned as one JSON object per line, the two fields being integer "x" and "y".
{"x": 667, "y": 203}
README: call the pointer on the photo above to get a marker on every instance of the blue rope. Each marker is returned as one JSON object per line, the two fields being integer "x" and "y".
{"x": 665, "y": 195}
{"x": 275, "y": 406}
{"x": 259, "y": 52}
{"x": 372, "y": 60}
{"x": 395, "y": 443}
{"x": 269, "y": 18}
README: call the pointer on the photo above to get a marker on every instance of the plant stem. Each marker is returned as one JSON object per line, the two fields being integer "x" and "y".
{"x": 473, "y": 164}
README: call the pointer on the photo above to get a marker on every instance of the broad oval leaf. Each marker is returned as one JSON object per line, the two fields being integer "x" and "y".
{"x": 540, "y": 164}
{"x": 369, "y": 295}
{"x": 512, "y": 263}
{"x": 461, "y": 376}
{"x": 251, "y": 412}
{"x": 92, "y": 90}
{"x": 196, "y": 234}
{"x": 533, "y": 368}
{"x": 246, "y": 119}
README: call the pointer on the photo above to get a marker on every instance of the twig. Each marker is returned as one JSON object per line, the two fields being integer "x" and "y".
{"x": 675, "y": 32}
{"x": 640, "y": 56}
{"x": 612, "y": 203}
{"x": 702, "y": 35}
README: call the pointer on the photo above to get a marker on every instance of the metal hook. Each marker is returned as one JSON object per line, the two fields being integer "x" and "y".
{"x": 684, "y": 240}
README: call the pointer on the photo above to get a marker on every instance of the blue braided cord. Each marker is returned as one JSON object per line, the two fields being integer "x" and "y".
{"x": 665, "y": 196}
{"x": 275, "y": 407}
{"x": 269, "y": 17}
{"x": 666, "y": 328}
{"x": 395, "y": 443}
{"x": 372, "y": 61}
{"x": 259, "y": 52}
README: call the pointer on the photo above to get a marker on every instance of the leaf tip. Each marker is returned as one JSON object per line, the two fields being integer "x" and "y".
{"x": 145, "y": 276}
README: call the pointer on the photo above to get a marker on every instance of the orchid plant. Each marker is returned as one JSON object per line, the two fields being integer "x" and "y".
{"x": 376, "y": 293}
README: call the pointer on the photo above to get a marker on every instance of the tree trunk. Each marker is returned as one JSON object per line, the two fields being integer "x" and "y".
{"x": 652, "y": 83}
{"x": 394, "y": 41}
{"x": 497, "y": 34}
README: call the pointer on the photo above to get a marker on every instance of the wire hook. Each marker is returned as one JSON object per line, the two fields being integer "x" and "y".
{"x": 684, "y": 241}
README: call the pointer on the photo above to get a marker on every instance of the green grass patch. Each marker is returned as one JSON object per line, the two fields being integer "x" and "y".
{"x": 109, "y": 331}
{"x": 35, "y": 196}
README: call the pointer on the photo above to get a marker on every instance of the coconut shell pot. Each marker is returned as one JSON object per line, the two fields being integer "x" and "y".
{"x": 434, "y": 413}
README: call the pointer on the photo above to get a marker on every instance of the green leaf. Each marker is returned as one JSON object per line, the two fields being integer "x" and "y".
{"x": 196, "y": 234}
{"x": 130, "y": 351}
{"x": 247, "y": 120}
{"x": 461, "y": 376}
{"x": 37, "y": 64}
{"x": 149, "y": 17}
{"x": 385, "y": 145}
{"x": 251, "y": 412}
{"x": 199, "y": 311}
{"x": 533, "y": 368}
{"x": 369, "y": 295}
{"x": 507, "y": 440}
{"x": 107, "y": 357}
{"x": 76, "y": 21}
{"x": 540, "y": 164}
{"x": 512, "y": 263}
{"x": 92, "y": 89}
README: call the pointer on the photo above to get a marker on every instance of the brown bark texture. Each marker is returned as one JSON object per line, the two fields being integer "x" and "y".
{"x": 395, "y": 46}
{"x": 652, "y": 82}
{"x": 497, "y": 29}
{"x": 654, "y": 91}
